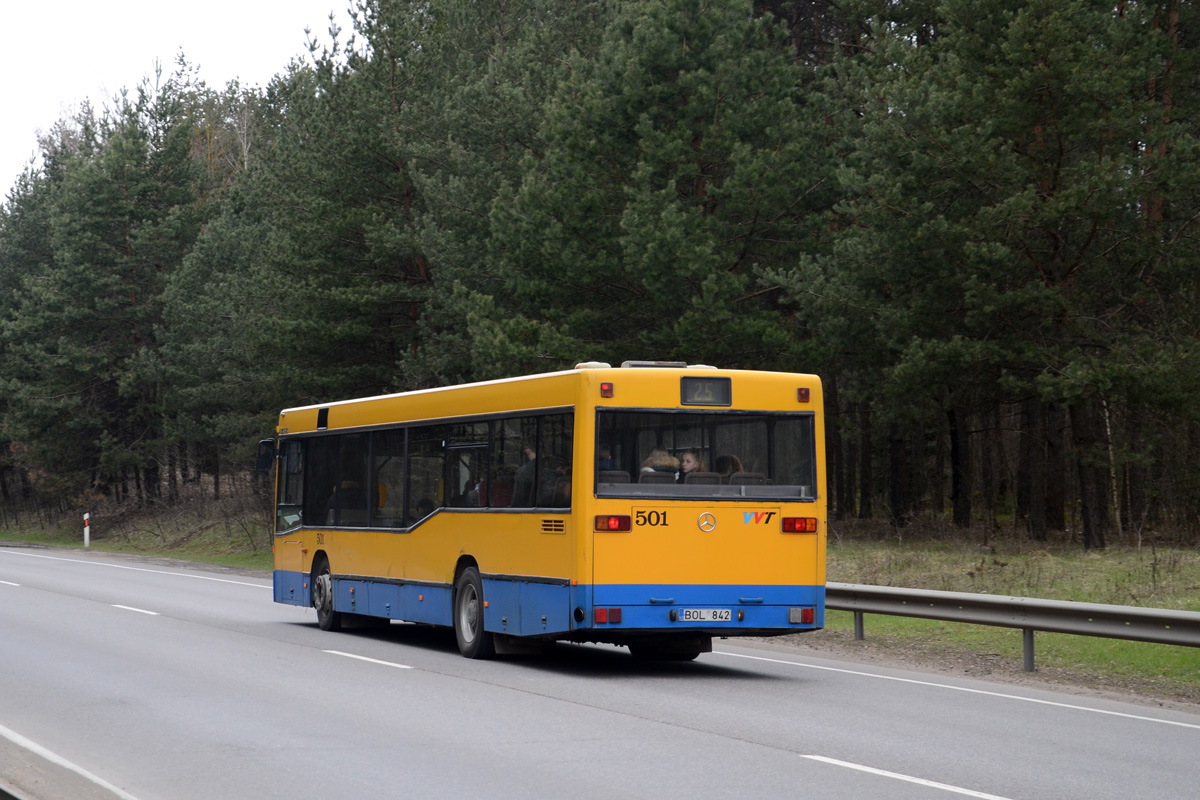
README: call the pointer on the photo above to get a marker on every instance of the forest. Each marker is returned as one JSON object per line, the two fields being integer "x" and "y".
{"x": 977, "y": 220}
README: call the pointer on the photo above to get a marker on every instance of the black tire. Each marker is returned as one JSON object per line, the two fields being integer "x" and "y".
{"x": 473, "y": 640}
{"x": 322, "y": 598}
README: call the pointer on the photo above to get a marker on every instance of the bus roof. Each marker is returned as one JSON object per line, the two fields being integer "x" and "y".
{"x": 564, "y": 388}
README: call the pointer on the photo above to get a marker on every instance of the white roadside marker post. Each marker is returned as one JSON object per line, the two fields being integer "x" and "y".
{"x": 87, "y": 533}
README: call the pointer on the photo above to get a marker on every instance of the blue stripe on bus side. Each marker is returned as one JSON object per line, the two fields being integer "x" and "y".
{"x": 407, "y": 601}
{"x": 706, "y": 595}
{"x": 527, "y": 608}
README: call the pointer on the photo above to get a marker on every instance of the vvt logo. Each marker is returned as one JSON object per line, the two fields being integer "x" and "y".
{"x": 757, "y": 517}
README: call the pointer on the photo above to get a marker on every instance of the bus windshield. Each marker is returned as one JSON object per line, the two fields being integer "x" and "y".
{"x": 722, "y": 455}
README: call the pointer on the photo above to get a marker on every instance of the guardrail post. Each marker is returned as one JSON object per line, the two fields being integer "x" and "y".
{"x": 858, "y": 626}
{"x": 1027, "y": 635}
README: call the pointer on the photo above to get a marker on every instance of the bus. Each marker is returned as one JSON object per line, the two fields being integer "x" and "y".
{"x": 653, "y": 505}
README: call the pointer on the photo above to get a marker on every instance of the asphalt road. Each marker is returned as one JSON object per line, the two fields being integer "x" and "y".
{"x": 156, "y": 681}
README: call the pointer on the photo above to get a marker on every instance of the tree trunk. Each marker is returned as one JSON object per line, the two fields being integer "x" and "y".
{"x": 172, "y": 479}
{"x": 866, "y": 480}
{"x": 898, "y": 478}
{"x": 1055, "y": 482}
{"x": 960, "y": 467}
{"x": 1031, "y": 474}
{"x": 1092, "y": 479}
{"x": 216, "y": 457}
{"x": 834, "y": 467}
{"x": 850, "y": 472}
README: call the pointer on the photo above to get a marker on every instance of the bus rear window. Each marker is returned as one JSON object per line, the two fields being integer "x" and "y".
{"x": 705, "y": 454}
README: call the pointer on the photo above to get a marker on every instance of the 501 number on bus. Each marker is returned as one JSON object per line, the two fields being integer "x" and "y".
{"x": 652, "y": 519}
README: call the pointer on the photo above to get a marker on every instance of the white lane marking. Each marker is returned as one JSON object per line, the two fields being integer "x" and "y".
{"x": 7, "y": 551}
{"x": 910, "y": 779}
{"x": 6, "y": 583}
{"x": 964, "y": 689}
{"x": 54, "y": 758}
{"x": 364, "y": 658}
{"x": 139, "y": 610}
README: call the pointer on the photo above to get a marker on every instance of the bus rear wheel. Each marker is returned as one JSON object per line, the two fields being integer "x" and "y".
{"x": 322, "y": 599}
{"x": 473, "y": 640}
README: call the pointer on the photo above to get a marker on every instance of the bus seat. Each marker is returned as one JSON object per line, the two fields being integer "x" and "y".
{"x": 656, "y": 477}
{"x": 612, "y": 476}
{"x": 500, "y": 495}
{"x": 703, "y": 477}
{"x": 747, "y": 479}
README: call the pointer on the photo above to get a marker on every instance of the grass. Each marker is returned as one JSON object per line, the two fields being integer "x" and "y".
{"x": 236, "y": 532}
{"x": 1152, "y": 576}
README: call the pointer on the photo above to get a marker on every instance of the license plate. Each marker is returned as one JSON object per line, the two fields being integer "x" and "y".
{"x": 705, "y": 615}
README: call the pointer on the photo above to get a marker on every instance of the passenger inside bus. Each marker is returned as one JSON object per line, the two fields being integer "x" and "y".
{"x": 660, "y": 460}
{"x": 691, "y": 461}
{"x": 727, "y": 465}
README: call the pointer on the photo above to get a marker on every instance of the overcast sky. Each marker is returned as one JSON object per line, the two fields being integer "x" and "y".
{"x": 56, "y": 55}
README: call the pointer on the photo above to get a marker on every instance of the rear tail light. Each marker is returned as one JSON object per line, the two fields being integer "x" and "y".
{"x": 613, "y": 522}
{"x": 799, "y": 524}
{"x": 802, "y": 616}
{"x": 607, "y": 615}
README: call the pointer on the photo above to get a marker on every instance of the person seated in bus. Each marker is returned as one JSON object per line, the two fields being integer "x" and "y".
{"x": 726, "y": 466}
{"x": 561, "y": 496}
{"x": 525, "y": 479}
{"x": 424, "y": 509}
{"x": 690, "y": 461}
{"x": 533, "y": 485}
{"x": 500, "y": 492}
{"x": 660, "y": 460}
{"x": 604, "y": 459}
{"x": 470, "y": 495}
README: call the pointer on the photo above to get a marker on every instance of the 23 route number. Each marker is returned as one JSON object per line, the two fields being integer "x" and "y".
{"x": 651, "y": 519}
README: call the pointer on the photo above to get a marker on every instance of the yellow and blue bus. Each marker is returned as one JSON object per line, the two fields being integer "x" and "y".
{"x": 653, "y": 505}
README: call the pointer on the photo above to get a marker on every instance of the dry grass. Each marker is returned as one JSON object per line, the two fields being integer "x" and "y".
{"x": 1160, "y": 577}
{"x": 234, "y": 531}
{"x": 1150, "y": 576}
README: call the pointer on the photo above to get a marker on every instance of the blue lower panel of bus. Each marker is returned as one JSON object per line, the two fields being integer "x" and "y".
{"x": 687, "y": 607}
{"x": 514, "y": 606}
{"x": 292, "y": 588}
{"x": 413, "y": 602}
{"x": 526, "y": 608}
{"x": 534, "y": 608}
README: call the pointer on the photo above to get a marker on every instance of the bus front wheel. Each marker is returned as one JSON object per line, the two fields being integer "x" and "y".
{"x": 322, "y": 599}
{"x": 473, "y": 640}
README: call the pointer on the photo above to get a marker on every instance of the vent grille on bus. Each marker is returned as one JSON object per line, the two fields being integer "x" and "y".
{"x": 554, "y": 526}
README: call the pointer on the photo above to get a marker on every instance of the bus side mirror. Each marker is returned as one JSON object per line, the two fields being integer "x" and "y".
{"x": 266, "y": 455}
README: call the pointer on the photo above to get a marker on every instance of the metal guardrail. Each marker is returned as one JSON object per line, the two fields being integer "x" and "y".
{"x": 1029, "y": 614}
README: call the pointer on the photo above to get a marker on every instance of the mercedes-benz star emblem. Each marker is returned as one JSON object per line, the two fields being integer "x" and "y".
{"x": 707, "y": 522}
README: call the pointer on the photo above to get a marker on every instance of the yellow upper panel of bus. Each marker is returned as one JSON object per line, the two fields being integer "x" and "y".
{"x": 633, "y": 387}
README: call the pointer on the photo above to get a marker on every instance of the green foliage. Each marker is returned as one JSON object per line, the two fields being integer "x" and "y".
{"x": 112, "y": 216}
{"x": 975, "y": 219}
{"x": 679, "y": 164}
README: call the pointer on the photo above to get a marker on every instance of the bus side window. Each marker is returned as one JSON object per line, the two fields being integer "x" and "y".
{"x": 387, "y": 479}
{"x": 321, "y": 480}
{"x": 555, "y": 452}
{"x": 290, "y": 509}
{"x": 426, "y": 458}
{"x": 506, "y": 459}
